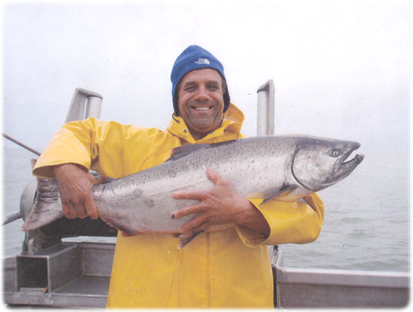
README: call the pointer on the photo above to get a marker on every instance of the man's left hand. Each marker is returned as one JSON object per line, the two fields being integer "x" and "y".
{"x": 219, "y": 205}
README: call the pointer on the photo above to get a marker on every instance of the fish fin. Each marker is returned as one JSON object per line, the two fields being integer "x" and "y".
{"x": 182, "y": 151}
{"x": 185, "y": 239}
{"x": 47, "y": 206}
{"x": 120, "y": 226}
{"x": 124, "y": 234}
{"x": 185, "y": 150}
{"x": 33, "y": 162}
{"x": 104, "y": 180}
{"x": 282, "y": 194}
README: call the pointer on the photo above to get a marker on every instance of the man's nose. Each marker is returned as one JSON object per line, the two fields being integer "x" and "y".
{"x": 202, "y": 94}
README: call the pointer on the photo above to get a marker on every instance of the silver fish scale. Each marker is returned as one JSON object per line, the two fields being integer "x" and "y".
{"x": 146, "y": 203}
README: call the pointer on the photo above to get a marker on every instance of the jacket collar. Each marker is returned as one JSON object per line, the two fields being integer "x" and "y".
{"x": 233, "y": 119}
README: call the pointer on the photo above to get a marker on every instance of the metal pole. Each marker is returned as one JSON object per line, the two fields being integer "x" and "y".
{"x": 21, "y": 144}
{"x": 78, "y": 106}
{"x": 265, "y": 109}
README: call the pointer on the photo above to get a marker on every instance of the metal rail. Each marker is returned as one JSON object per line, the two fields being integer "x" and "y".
{"x": 324, "y": 288}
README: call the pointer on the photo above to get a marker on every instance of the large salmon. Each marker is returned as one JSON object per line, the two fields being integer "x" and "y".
{"x": 285, "y": 168}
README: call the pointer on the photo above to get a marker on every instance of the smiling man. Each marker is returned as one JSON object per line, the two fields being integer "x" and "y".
{"x": 225, "y": 266}
{"x": 201, "y": 102}
{"x": 199, "y": 91}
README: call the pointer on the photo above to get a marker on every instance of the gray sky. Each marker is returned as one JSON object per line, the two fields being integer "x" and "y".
{"x": 341, "y": 69}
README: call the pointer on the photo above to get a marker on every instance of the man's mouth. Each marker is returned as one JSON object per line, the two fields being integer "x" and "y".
{"x": 201, "y": 108}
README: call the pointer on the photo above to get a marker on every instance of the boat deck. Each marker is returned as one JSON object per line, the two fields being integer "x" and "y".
{"x": 76, "y": 275}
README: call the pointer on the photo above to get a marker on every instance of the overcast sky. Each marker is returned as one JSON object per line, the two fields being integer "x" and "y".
{"x": 341, "y": 69}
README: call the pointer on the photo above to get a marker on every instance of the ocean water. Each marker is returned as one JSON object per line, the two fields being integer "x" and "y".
{"x": 367, "y": 220}
{"x": 366, "y": 224}
{"x": 16, "y": 175}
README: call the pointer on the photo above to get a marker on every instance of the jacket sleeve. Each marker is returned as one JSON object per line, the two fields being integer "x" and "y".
{"x": 71, "y": 144}
{"x": 297, "y": 222}
{"x": 95, "y": 145}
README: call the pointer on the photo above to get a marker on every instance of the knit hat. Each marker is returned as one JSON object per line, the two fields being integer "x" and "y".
{"x": 195, "y": 57}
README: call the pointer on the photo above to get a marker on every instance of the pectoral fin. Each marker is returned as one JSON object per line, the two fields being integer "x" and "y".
{"x": 185, "y": 239}
{"x": 105, "y": 180}
{"x": 282, "y": 195}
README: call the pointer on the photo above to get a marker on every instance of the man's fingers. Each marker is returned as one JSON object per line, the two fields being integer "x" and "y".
{"x": 89, "y": 204}
{"x": 81, "y": 210}
{"x": 209, "y": 210}
{"x": 75, "y": 188}
{"x": 213, "y": 176}
{"x": 188, "y": 195}
{"x": 185, "y": 211}
{"x": 91, "y": 209}
{"x": 66, "y": 211}
{"x": 200, "y": 195}
{"x": 92, "y": 179}
{"x": 197, "y": 224}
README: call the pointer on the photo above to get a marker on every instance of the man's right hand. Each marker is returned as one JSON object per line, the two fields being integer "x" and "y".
{"x": 75, "y": 187}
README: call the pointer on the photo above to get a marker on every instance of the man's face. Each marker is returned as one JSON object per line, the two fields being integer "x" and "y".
{"x": 201, "y": 101}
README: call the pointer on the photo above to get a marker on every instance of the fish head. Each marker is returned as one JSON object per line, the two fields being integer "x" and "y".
{"x": 319, "y": 163}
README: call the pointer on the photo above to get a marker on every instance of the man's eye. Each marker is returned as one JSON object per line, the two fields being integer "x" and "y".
{"x": 189, "y": 89}
{"x": 213, "y": 87}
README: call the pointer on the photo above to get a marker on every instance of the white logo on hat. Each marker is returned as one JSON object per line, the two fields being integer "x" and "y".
{"x": 201, "y": 61}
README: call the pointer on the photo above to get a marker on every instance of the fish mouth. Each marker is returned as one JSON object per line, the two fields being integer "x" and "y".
{"x": 354, "y": 162}
{"x": 343, "y": 168}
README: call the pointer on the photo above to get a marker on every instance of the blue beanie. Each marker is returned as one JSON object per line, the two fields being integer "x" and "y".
{"x": 195, "y": 57}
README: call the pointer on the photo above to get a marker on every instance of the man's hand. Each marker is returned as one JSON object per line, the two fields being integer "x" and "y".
{"x": 75, "y": 187}
{"x": 219, "y": 205}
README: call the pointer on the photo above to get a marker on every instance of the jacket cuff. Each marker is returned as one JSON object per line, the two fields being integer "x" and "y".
{"x": 249, "y": 237}
{"x": 290, "y": 222}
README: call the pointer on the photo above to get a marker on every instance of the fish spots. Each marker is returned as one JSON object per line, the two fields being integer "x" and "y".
{"x": 172, "y": 173}
{"x": 149, "y": 202}
{"x": 137, "y": 192}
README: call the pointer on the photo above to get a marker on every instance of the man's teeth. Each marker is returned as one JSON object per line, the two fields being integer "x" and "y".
{"x": 202, "y": 108}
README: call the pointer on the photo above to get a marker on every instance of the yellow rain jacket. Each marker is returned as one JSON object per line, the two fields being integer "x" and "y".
{"x": 222, "y": 268}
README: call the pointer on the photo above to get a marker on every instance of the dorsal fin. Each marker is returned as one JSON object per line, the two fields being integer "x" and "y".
{"x": 185, "y": 150}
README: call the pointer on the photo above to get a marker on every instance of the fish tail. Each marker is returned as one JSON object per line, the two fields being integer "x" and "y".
{"x": 47, "y": 206}
{"x": 185, "y": 239}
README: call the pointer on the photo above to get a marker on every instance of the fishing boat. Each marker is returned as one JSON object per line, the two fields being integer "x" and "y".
{"x": 50, "y": 272}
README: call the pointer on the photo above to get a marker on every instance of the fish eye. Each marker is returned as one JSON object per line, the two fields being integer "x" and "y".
{"x": 335, "y": 153}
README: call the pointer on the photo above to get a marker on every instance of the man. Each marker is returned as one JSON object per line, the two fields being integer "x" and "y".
{"x": 220, "y": 268}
